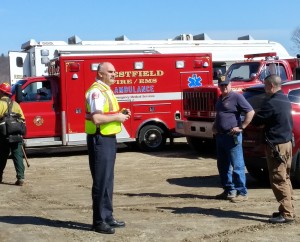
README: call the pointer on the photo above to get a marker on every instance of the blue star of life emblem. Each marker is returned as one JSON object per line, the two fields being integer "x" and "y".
{"x": 194, "y": 81}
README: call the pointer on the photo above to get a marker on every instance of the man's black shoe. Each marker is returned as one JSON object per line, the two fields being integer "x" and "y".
{"x": 280, "y": 219}
{"x": 115, "y": 223}
{"x": 103, "y": 228}
{"x": 275, "y": 214}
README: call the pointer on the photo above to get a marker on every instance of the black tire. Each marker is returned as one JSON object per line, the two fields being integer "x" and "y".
{"x": 151, "y": 138}
{"x": 296, "y": 179}
{"x": 295, "y": 175}
{"x": 259, "y": 174}
{"x": 202, "y": 146}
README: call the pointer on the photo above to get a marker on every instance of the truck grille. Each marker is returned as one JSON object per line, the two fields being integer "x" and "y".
{"x": 200, "y": 102}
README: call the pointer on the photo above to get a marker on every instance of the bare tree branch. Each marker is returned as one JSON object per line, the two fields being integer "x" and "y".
{"x": 296, "y": 38}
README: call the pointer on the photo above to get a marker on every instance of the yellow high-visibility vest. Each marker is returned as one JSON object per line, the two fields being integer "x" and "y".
{"x": 111, "y": 106}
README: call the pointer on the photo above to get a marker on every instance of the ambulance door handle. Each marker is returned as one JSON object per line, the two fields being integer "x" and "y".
{"x": 78, "y": 110}
{"x": 137, "y": 117}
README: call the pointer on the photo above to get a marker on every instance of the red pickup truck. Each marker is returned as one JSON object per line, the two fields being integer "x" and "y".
{"x": 196, "y": 120}
{"x": 253, "y": 137}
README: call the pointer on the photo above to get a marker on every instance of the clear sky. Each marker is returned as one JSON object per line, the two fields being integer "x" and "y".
{"x": 22, "y": 20}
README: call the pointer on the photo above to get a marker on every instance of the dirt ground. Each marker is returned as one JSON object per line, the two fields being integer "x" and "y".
{"x": 162, "y": 196}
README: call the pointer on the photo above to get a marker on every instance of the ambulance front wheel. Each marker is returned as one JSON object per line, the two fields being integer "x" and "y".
{"x": 151, "y": 138}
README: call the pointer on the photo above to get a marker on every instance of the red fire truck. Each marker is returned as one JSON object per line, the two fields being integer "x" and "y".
{"x": 195, "y": 122}
{"x": 150, "y": 85}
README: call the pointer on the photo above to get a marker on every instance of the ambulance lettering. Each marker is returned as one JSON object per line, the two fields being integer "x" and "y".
{"x": 133, "y": 89}
{"x": 139, "y": 83}
{"x": 128, "y": 74}
{"x": 146, "y": 81}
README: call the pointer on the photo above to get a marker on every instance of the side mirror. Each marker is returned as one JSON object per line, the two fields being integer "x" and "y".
{"x": 19, "y": 94}
{"x": 253, "y": 76}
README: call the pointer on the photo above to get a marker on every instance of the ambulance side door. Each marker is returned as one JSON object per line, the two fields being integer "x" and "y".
{"x": 75, "y": 99}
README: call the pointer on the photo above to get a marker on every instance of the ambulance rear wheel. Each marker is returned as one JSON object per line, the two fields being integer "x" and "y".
{"x": 151, "y": 138}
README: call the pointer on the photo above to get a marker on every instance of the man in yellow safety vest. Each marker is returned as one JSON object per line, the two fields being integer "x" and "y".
{"x": 103, "y": 122}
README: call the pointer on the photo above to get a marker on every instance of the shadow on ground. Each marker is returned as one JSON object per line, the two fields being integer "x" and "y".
{"x": 212, "y": 181}
{"x": 216, "y": 212}
{"x": 33, "y": 220}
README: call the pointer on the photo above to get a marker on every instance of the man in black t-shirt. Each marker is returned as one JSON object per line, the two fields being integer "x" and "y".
{"x": 276, "y": 116}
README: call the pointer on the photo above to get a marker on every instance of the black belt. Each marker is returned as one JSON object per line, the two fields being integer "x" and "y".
{"x": 109, "y": 135}
{"x": 224, "y": 132}
{"x": 99, "y": 133}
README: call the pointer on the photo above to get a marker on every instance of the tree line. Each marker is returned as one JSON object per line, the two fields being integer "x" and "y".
{"x": 296, "y": 38}
{"x": 4, "y": 69}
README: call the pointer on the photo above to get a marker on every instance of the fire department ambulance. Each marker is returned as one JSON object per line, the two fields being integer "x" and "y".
{"x": 150, "y": 85}
{"x": 34, "y": 57}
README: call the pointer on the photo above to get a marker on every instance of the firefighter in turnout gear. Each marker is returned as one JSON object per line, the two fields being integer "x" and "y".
{"x": 14, "y": 147}
{"x": 103, "y": 122}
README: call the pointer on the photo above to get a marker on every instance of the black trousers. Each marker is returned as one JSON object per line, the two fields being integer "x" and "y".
{"x": 102, "y": 156}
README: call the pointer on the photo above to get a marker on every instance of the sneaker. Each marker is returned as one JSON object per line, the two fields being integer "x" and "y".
{"x": 225, "y": 195}
{"x": 276, "y": 214}
{"x": 239, "y": 198}
{"x": 281, "y": 219}
{"x": 19, "y": 182}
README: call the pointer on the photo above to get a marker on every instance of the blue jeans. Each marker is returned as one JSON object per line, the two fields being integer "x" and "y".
{"x": 231, "y": 165}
